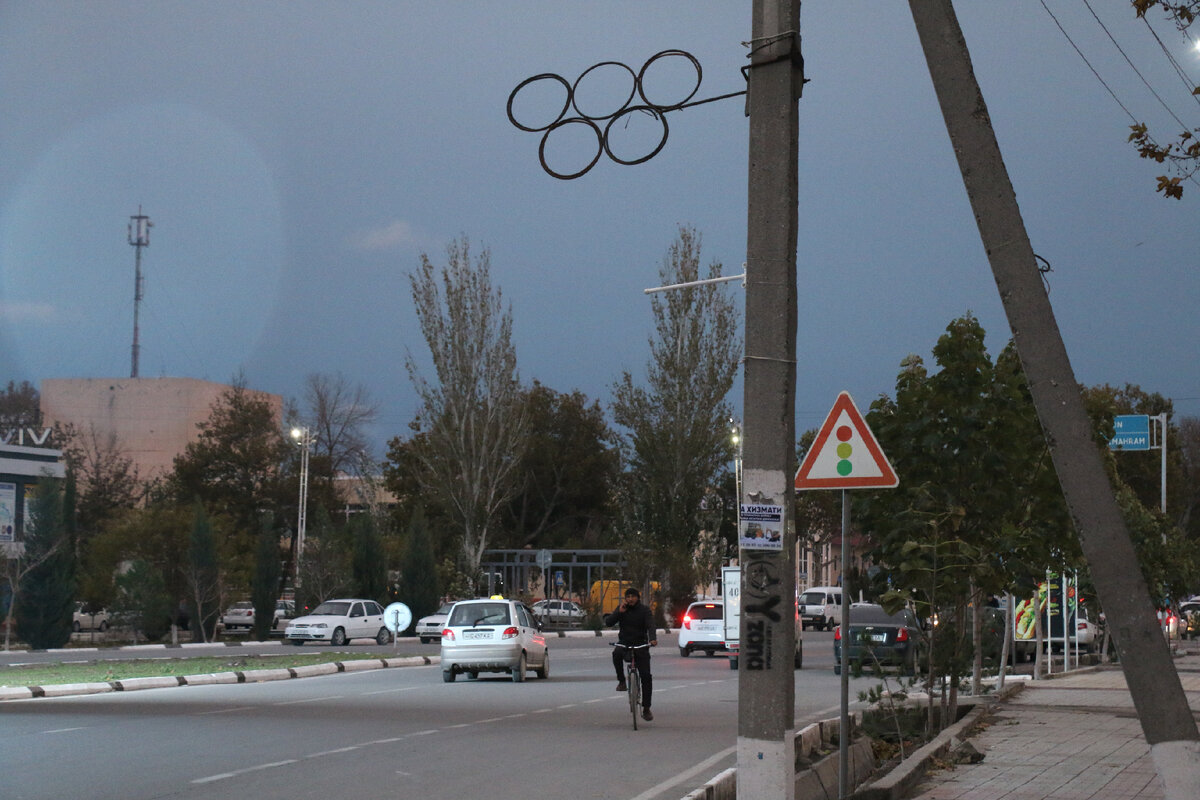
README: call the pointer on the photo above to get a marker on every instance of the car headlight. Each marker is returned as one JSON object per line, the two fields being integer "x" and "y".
{"x": 321, "y": 625}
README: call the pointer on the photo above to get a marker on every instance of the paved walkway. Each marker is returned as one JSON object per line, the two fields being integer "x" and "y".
{"x": 1074, "y": 737}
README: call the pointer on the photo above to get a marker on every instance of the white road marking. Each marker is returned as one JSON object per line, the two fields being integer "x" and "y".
{"x": 332, "y": 752}
{"x": 64, "y": 730}
{"x": 225, "y": 711}
{"x": 309, "y": 700}
{"x": 257, "y": 768}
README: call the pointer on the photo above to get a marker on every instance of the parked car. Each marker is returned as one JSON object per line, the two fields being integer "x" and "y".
{"x": 702, "y": 628}
{"x": 821, "y": 607}
{"x": 239, "y": 617}
{"x": 874, "y": 636}
{"x": 1189, "y": 618}
{"x": 1168, "y": 621}
{"x": 493, "y": 635}
{"x": 429, "y": 629}
{"x": 338, "y": 622}
{"x": 88, "y": 621}
{"x": 558, "y": 612}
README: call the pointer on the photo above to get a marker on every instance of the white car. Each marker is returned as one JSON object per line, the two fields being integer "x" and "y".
{"x": 702, "y": 628}
{"x": 493, "y": 635}
{"x": 85, "y": 621}
{"x": 429, "y": 629}
{"x": 240, "y": 617}
{"x": 558, "y": 612}
{"x": 339, "y": 621}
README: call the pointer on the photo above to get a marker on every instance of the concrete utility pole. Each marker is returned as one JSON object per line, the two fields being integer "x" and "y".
{"x": 766, "y": 682}
{"x": 1153, "y": 682}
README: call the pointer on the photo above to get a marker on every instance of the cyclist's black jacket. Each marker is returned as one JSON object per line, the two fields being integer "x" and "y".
{"x": 636, "y": 625}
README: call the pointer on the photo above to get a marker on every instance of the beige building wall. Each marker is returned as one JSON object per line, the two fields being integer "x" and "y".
{"x": 154, "y": 419}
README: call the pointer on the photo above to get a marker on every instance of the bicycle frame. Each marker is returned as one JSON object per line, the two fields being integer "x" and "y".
{"x": 633, "y": 679}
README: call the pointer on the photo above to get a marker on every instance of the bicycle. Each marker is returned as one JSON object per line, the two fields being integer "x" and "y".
{"x": 633, "y": 679}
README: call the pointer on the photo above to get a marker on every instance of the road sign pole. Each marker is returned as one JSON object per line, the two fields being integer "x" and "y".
{"x": 844, "y": 629}
{"x": 845, "y": 455}
{"x": 1162, "y": 446}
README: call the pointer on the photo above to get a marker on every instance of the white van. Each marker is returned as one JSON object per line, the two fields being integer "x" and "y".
{"x": 821, "y": 607}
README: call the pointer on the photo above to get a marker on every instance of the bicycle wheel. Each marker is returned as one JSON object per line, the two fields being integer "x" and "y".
{"x": 635, "y": 693}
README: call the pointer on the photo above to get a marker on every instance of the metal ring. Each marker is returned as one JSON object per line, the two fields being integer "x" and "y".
{"x": 653, "y": 111}
{"x": 526, "y": 82}
{"x": 600, "y": 147}
{"x": 597, "y": 117}
{"x": 666, "y": 54}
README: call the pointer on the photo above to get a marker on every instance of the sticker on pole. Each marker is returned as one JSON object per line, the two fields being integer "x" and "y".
{"x": 845, "y": 454}
{"x": 761, "y": 527}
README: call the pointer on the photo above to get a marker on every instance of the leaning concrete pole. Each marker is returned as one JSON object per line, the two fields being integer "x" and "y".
{"x": 766, "y": 683}
{"x": 1158, "y": 695}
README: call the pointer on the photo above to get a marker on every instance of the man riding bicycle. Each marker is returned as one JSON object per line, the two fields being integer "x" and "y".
{"x": 635, "y": 626}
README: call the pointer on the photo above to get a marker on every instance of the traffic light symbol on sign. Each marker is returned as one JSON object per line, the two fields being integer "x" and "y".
{"x": 844, "y": 454}
{"x": 844, "y": 450}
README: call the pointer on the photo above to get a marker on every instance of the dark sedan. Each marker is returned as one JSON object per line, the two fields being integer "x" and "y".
{"x": 877, "y": 638}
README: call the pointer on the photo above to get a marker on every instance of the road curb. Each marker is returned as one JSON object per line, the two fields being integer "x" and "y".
{"x": 211, "y": 678}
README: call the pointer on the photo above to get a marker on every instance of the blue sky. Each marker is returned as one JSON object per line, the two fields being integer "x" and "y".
{"x": 296, "y": 158}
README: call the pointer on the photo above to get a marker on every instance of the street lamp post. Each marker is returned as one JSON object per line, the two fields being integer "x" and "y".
{"x": 304, "y": 438}
{"x": 736, "y": 438}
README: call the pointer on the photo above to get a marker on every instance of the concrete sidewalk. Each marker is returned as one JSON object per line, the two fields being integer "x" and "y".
{"x": 1075, "y": 737}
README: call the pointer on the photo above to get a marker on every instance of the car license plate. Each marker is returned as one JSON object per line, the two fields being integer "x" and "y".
{"x": 878, "y": 637}
{"x": 477, "y": 634}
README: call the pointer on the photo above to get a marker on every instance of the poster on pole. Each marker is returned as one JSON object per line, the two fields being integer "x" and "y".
{"x": 761, "y": 527}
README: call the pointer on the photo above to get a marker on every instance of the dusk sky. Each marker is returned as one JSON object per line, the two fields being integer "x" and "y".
{"x": 296, "y": 158}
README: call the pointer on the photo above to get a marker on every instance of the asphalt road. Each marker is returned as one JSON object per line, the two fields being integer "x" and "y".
{"x": 399, "y": 733}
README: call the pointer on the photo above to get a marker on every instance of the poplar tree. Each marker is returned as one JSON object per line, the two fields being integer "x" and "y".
{"x": 471, "y": 424}
{"x": 675, "y": 437}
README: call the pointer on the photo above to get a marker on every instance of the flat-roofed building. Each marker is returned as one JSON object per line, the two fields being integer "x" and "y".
{"x": 153, "y": 419}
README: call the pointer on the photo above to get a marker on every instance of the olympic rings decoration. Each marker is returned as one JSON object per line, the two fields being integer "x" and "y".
{"x": 592, "y": 120}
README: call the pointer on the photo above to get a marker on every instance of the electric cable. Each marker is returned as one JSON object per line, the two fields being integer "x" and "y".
{"x": 592, "y": 118}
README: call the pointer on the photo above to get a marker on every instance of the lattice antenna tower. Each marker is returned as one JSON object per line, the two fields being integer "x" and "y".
{"x": 139, "y": 237}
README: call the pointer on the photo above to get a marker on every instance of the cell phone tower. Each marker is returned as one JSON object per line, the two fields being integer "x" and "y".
{"x": 139, "y": 237}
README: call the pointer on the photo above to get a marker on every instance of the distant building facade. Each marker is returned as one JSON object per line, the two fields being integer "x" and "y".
{"x": 20, "y": 469}
{"x": 153, "y": 419}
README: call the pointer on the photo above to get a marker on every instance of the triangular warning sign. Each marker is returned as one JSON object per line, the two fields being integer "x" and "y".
{"x": 845, "y": 454}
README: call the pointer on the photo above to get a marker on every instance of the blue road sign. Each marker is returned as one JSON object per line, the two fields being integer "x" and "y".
{"x": 1130, "y": 432}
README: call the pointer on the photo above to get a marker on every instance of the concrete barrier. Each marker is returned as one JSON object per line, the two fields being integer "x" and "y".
{"x": 263, "y": 675}
{"x": 362, "y": 664}
{"x": 211, "y": 678}
{"x": 135, "y": 684}
{"x": 65, "y": 689}
{"x": 313, "y": 670}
